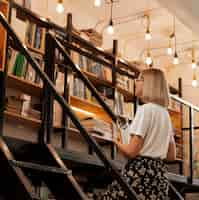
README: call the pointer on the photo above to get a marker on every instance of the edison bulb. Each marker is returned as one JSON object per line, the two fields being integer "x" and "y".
{"x": 176, "y": 59}
{"x": 97, "y": 3}
{"x": 149, "y": 60}
{"x": 148, "y": 35}
{"x": 110, "y": 30}
{"x": 169, "y": 51}
{"x": 60, "y": 7}
{"x": 193, "y": 65}
{"x": 194, "y": 83}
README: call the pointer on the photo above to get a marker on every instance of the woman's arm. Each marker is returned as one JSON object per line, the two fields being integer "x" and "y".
{"x": 132, "y": 149}
{"x": 171, "y": 155}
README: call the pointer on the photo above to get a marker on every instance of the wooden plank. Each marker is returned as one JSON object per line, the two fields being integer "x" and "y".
{"x": 27, "y": 121}
{"x": 89, "y": 107}
{"x": 23, "y": 85}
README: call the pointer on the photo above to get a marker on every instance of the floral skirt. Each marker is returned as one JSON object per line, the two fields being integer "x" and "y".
{"x": 146, "y": 176}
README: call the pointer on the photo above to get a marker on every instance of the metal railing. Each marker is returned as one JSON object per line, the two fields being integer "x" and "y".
{"x": 108, "y": 165}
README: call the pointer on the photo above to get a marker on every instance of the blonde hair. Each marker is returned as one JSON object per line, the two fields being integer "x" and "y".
{"x": 155, "y": 87}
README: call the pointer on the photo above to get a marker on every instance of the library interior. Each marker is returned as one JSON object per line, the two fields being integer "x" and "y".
{"x": 68, "y": 76}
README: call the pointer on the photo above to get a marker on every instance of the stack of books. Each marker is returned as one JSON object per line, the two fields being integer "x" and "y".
{"x": 125, "y": 83}
{"x": 99, "y": 127}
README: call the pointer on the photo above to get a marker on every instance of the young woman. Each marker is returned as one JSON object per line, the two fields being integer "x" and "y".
{"x": 151, "y": 142}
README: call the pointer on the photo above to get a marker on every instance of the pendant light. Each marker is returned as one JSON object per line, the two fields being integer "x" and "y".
{"x": 97, "y": 3}
{"x": 169, "y": 49}
{"x": 175, "y": 59}
{"x": 110, "y": 28}
{"x": 193, "y": 64}
{"x": 194, "y": 81}
{"x": 148, "y": 33}
{"x": 60, "y": 6}
{"x": 149, "y": 60}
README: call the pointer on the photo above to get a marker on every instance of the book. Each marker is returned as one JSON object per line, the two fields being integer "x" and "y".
{"x": 19, "y": 65}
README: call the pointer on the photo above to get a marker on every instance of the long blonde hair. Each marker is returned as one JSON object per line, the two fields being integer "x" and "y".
{"x": 155, "y": 87}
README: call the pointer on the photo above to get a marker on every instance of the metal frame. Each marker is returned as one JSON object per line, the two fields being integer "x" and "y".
{"x": 109, "y": 166}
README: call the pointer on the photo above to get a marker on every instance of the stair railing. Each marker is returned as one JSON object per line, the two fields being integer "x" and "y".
{"x": 66, "y": 108}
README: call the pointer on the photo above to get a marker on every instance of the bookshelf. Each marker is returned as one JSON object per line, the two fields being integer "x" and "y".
{"x": 23, "y": 119}
{"x": 89, "y": 107}
{"x": 4, "y": 8}
{"x": 78, "y": 104}
{"x": 23, "y": 85}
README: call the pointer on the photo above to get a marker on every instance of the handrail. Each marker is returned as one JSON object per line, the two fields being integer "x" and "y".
{"x": 186, "y": 103}
{"x": 110, "y": 166}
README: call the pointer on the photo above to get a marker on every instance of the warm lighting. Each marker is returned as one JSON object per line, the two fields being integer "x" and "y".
{"x": 82, "y": 111}
{"x": 148, "y": 32}
{"x": 97, "y": 3}
{"x": 194, "y": 83}
{"x": 193, "y": 64}
{"x": 148, "y": 35}
{"x": 149, "y": 59}
{"x": 60, "y": 6}
{"x": 169, "y": 51}
{"x": 176, "y": 59}
{"x": 110, "y": 28}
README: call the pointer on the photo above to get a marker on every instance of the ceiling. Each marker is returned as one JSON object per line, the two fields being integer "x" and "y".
{"x": 130, "y": 27}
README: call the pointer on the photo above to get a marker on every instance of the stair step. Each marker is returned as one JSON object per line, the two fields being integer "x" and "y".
{"x": 43, "y": 168}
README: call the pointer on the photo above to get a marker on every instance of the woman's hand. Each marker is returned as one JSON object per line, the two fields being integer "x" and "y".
{"x": 132, "y": 149}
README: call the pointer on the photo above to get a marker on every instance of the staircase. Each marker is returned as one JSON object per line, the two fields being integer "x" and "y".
{"x": 26, "y": 164}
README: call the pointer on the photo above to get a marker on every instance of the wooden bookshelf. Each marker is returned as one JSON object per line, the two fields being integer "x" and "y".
{"x": 23, "y": 85}
{"x": 89, "y": 107}
{"x": 28, "y": 121}
{"x": 99, "y": 81}
{"x": 4, "y": 8}
{"x": 96, "y": 80}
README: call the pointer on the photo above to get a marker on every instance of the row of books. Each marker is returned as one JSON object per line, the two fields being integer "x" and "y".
{"x": 33, "y": 35}
{"x": 123, "y": 108}
{"x": 98, "y": 127}
{"x": 125, "y": 83}
{"x": 18, "y": 66}
{"x": 89, "y": 65}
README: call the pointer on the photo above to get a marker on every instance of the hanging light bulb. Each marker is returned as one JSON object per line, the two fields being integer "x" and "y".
{"x": 60, "y": 6}
{"x": 176, "y": 59}
{"x": 97, "y": 3}
{"x": 148, "y": 33}
{"x": 193, "y": 64}
{"x": 169, "y": 49}
{"x": 194, "y": 81}
{"x": 149, "y": 59}
{"x": 110, "y": 28}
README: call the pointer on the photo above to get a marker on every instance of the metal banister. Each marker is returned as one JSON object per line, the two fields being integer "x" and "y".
{"x": 109, "y": 166}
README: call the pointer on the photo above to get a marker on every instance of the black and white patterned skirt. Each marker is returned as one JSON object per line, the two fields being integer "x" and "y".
{"x": 147, "y": 177}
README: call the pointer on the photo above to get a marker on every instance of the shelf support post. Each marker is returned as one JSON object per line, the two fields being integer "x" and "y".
{"x": 48, "y": 95}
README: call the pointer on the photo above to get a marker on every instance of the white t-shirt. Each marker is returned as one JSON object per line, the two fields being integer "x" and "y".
{"x": 152, "y": 122}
